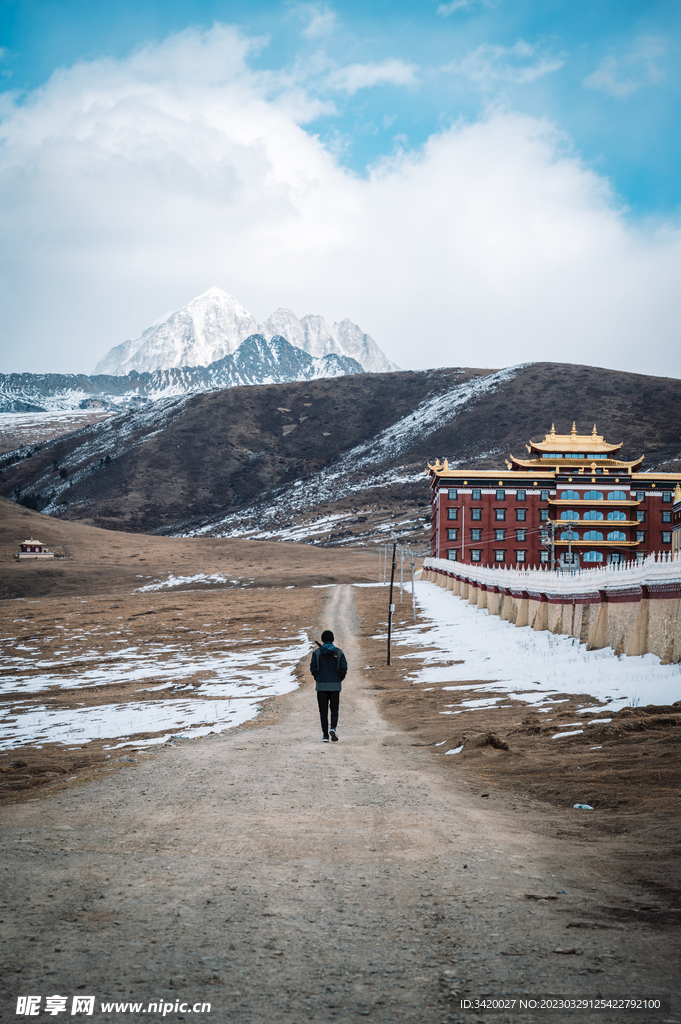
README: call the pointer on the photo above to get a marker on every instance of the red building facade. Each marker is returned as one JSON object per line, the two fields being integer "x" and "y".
{"x": 572, "y": 503}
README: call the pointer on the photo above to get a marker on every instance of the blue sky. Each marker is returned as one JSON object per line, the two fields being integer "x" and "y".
{"x": 498, "y": 176}
{"x": 612, "y": 80}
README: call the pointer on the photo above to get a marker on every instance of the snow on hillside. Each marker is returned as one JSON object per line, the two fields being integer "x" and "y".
{"x": 214, "y": 325}
{"x": 355, "y": 470}
{"x": 117, "y": 435}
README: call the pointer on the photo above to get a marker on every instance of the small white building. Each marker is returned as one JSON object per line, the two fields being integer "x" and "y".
{"x": 34, "y": 549}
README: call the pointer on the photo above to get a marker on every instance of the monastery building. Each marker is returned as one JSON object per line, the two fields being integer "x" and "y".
{"x": 571, "y": 503}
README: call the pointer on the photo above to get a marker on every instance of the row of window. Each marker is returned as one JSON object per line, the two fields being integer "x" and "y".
{"x": 544, "y": 557}
{"x": 594, "y": 535}
{"x": 476, "y": 535}
{"x": 572, "y": 455}
{"x": 499, "y": 514}
{"x": 476, "y": 494}
{"x": 499, "y": 555}
{"x": 570, "y": 513}
{"x": 592, "y": 496}
{"x": 572, "y": 495}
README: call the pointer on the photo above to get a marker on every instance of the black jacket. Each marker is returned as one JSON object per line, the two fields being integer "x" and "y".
{"x": 329, "y": 667}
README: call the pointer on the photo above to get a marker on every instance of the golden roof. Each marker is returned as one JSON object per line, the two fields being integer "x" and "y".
{"x": 559, "y": 443}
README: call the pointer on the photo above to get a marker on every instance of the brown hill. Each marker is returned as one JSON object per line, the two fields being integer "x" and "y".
{"x": 91, "y": 560}
{"x": 336, "y": 461}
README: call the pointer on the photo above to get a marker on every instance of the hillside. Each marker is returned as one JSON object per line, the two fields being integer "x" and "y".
{"x": 333, "y": 461}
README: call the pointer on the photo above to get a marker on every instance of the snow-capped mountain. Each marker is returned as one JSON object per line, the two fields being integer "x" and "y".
{"x": 214, "y": 325}
{"x": 256, "y": 361}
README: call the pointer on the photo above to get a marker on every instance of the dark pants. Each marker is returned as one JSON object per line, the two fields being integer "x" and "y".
{"x": 324, "y": 699}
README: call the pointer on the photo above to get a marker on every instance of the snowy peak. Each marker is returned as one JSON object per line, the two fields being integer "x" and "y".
{"x": 215, "y": 324}
{"x": 208, "y": 328}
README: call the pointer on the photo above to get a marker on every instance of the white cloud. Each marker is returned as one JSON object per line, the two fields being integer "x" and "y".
{"x": 444, "y": 10}
{"x": 127, "y": 187}
{"x": 320, "y": 20}
{"x": 622, "y": 77}
{"x": 488, "y": 65}
{"x": 362, "y": 76}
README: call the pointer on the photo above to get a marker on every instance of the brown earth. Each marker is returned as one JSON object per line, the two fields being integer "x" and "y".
{"x": 278, "y": 878}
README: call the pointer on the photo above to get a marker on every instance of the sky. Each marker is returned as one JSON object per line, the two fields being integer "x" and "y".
{"x": 474, "y": 182}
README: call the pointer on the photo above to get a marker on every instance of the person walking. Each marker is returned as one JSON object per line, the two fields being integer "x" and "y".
{"x": 329, "y": 667}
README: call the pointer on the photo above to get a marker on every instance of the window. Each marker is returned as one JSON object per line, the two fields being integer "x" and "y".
{"x": 667, "y": 496}
{"x": 543, "y": 557}
{"x": 666, "y": 517}
{"x": 569, "y": 558}
{"x": 452, "y": 534}
{"x": 616, "y": 515}
{"x": 593, "y": 556}
{"x": 499, "y": 556}
{"x": 453, "y": 555}
{"x": 602, "y": 455}
{"x": 569, "y": 495}
{"x": 593, "y": 514}
{"x": 452, "y": 513}
{"x": 501, "y": 494}
{"x": 476, "y": 534}
{"x": 453, "y": 494}
{"x": 521, "y": 534}
{"x": 477, "y": 494}
{"x": 521, "y": 496}
{"x": 500, "y": 534}
{"x": 521, "y": 515}
{"x": 640, "y": 535}
{"x": 543, "y": 495}
{"x": 571, "y": 535}
{"x": 616, "y": 496}
{"x": 476, "y": 514}
{"x": 666, "y": 536}
{"x": 544, "y": 515}
{"x": 593, "y": 535}
{"x": 617, "y": 535}
{"x": 640, "y": 517}
{"x": 521, "y": 556}
{"x": 476, "y": 555}
{"x": 614, "y": 557}
{"x": 640, "y": 496}
{"x": 595, "y": 495}
{"x": 499, "y": 514}
{"x": 569, "y": 513}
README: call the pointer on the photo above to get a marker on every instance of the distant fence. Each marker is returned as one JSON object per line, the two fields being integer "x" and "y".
{"x": 635, "y": 609}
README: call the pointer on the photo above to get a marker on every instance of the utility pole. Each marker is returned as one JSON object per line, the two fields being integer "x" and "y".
{"x": 391, "y": 606}
{"x": 413, "y": 595}
{"x": 401, "y": 572}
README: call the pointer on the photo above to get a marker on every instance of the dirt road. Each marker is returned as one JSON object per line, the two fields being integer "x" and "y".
{"x": 281, "y": 879}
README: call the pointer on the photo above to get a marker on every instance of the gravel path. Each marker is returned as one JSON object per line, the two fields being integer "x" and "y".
{"x": 281, "y": 879}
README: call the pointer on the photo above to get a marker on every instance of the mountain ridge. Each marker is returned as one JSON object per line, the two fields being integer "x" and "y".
{"x": 214, "y": 325}
{"x": 255, "y": 361}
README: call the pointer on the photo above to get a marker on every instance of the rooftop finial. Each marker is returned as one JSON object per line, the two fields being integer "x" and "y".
{"x": 553, "y": 430}
{"x": 573, "y": 432}
{"x": 593, "y": 432}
